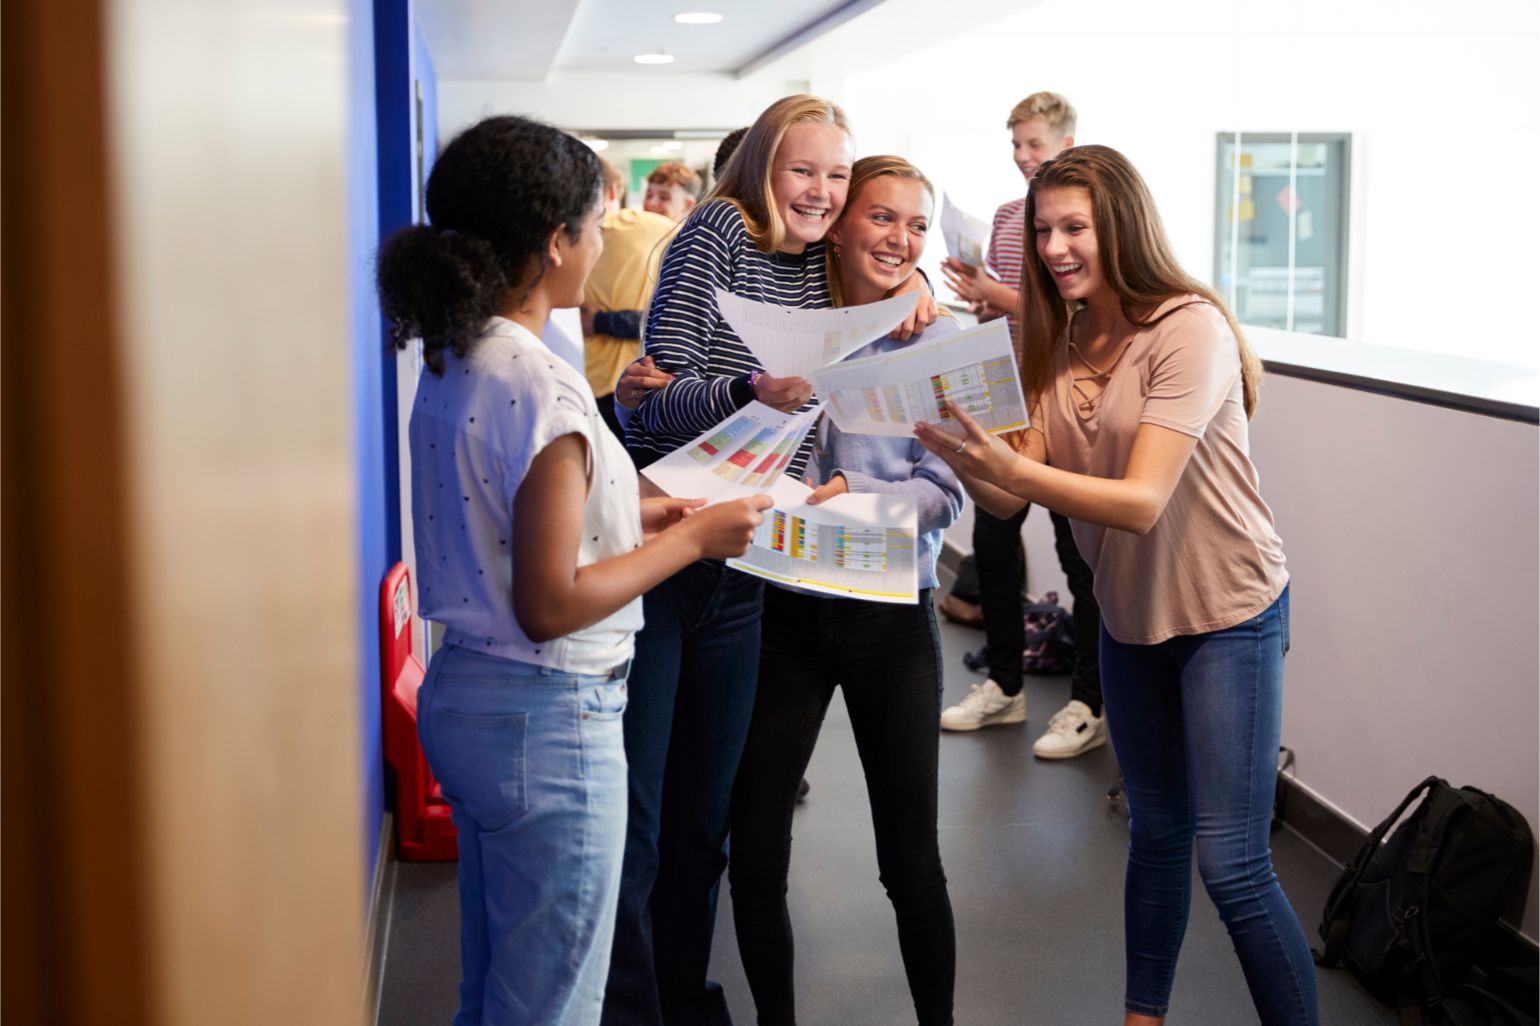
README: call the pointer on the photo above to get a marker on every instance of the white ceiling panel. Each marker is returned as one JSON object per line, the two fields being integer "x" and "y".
{"x": 497, "y": 39}
{"x": 525, "y": 40}
{"x": 607, "y": 34}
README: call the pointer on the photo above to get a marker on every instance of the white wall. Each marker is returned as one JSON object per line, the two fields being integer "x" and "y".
{"x": 1439, "y": 103}
{"x": 1411, "y": 538}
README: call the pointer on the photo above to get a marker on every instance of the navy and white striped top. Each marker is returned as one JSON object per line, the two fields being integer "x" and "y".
{"x": 687, "y": 336}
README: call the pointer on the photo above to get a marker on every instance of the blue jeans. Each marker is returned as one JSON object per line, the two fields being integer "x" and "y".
{"x": 692, "y": 694}
{"x": 1195, "y": 723}
{"x": 534, "y": 770}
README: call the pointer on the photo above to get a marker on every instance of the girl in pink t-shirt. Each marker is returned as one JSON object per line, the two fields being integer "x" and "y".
{"x": 1140, "y": 385}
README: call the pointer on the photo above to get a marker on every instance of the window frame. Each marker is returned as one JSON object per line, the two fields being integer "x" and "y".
{"x": 1224, "y": 231}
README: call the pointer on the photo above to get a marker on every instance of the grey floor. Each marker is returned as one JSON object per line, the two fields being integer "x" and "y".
{"x": 1034, "y": 854}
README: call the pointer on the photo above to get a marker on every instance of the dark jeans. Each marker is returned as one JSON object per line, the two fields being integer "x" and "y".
{"x": 887, "y": 659}
{"x": 1001, "y": 566}
{"x": 1195, "y": 722}
{"x": 691, "y": 696}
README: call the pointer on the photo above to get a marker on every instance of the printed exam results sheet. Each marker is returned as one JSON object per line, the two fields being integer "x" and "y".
{"x": 857, "y": 546}
{"x": 790, "y": 342}
{"x": 888, "y": 394}
{"x": 967, "y": 238}
{"x": 860, "y": 546}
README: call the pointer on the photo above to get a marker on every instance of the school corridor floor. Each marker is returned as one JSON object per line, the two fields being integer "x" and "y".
{"x": 1034, "y": 855}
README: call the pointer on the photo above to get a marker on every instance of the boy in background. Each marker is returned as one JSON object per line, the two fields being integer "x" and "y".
{"x": 617, "y": 291}
{"x": 1041, "y": 126}
{"x": 672, "y": 190}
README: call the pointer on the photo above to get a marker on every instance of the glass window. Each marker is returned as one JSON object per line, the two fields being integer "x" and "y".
{"x": 1280, "y": 247}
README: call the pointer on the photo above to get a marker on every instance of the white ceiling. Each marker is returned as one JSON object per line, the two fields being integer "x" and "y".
{"x": 524, "y": 40}
{"x": 470, "y": 40}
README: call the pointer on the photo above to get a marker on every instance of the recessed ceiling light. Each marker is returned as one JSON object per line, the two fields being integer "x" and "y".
{"x": 697, "y": 18}
{"x": 672, "y": 145}
{"x": 654, "y": 58}
{"x": 596, "y": 144}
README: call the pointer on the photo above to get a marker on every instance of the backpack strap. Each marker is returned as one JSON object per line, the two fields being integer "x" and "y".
{"x": 1336, "y": 933}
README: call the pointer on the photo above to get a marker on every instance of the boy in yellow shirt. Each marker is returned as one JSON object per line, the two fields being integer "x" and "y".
{"x": 617, "y": 289}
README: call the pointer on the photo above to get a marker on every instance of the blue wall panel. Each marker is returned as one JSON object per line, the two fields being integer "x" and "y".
{"x": 398, "y": 66}
{"x": 374, "y": 494}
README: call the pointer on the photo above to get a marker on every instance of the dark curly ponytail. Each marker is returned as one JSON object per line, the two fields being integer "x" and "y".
{"x": 496, "y": 193}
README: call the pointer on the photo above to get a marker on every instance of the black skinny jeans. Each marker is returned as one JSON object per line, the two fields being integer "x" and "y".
{"x": 1001, "y": 564}
{"x": 888, "y": 660}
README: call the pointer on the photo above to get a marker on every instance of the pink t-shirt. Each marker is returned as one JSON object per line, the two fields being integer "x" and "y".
{"x": 1213, "y": 559}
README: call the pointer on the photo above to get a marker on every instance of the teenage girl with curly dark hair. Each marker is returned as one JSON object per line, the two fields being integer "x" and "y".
{"x": 532, "y": 550}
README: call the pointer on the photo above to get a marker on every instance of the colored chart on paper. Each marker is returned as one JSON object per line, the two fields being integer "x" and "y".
{"x": 748, "y": 452}
{"x": 707, "y": 449}
{"x": 973, "y": 388}
{"x": 736, "y": 467}
{"x": 861, "y": 549}
{"x": 853, "y": 546}
{"x": 890, "y": 393}
{"x": 774, "y": 464}
{"x": 789, "y": 535}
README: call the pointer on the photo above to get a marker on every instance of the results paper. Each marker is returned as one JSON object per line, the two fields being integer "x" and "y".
{"x": 743, "y": 455}
{"x": 794, "y": 343}
{"x": 855, "y": 546}
{"x": 888, "y": 394}
{"x": 967, "y": 238}
{"x": 860, "y": 546}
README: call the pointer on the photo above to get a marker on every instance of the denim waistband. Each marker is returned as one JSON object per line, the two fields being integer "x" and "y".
{"x": 500, "y": 666}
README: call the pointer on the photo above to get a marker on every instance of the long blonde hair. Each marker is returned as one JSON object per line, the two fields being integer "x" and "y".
{"x": 745, "y": 181}
{"x": 863, "y": 173}
{"x": 1136, "y": 260}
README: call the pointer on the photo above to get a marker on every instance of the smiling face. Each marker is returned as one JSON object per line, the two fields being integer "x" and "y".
{"x": 564, "y": 283}
{"x": 1034, "y": 141}
{"x": 808, "y": 180}
{"x": 667, "y": 198}
{"x": 881, "y": 236}
{"x": 1066, "y": 242}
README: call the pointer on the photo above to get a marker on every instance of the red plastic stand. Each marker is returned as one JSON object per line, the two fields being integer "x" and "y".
{"x": 424, "y": 831}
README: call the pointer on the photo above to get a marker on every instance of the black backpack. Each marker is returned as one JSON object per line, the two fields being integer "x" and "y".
{"x": 1418, "y": 919}
{"x": 1048, "y": 640}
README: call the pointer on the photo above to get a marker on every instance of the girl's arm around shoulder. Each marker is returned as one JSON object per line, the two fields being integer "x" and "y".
{"x": 552, "y": 595}
{"x": 683, "y": 317}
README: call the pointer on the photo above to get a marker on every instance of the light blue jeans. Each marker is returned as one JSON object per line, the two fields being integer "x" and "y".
{"x": 1195, "y": 723}
{"x": 533, "y": 766}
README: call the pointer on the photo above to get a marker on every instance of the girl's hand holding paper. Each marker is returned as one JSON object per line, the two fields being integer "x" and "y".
{"x": 978, "y": 454}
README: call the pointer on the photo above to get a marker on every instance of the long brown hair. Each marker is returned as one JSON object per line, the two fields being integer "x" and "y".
{"x": 745, "y": 180}
{"x": 1136, "y": 260}
{"x": 863, "y": 173}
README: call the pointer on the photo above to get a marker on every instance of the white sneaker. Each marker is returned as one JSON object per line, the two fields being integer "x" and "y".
{"x": 985, "y": 706}
{"x": 1072, "y": 731}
